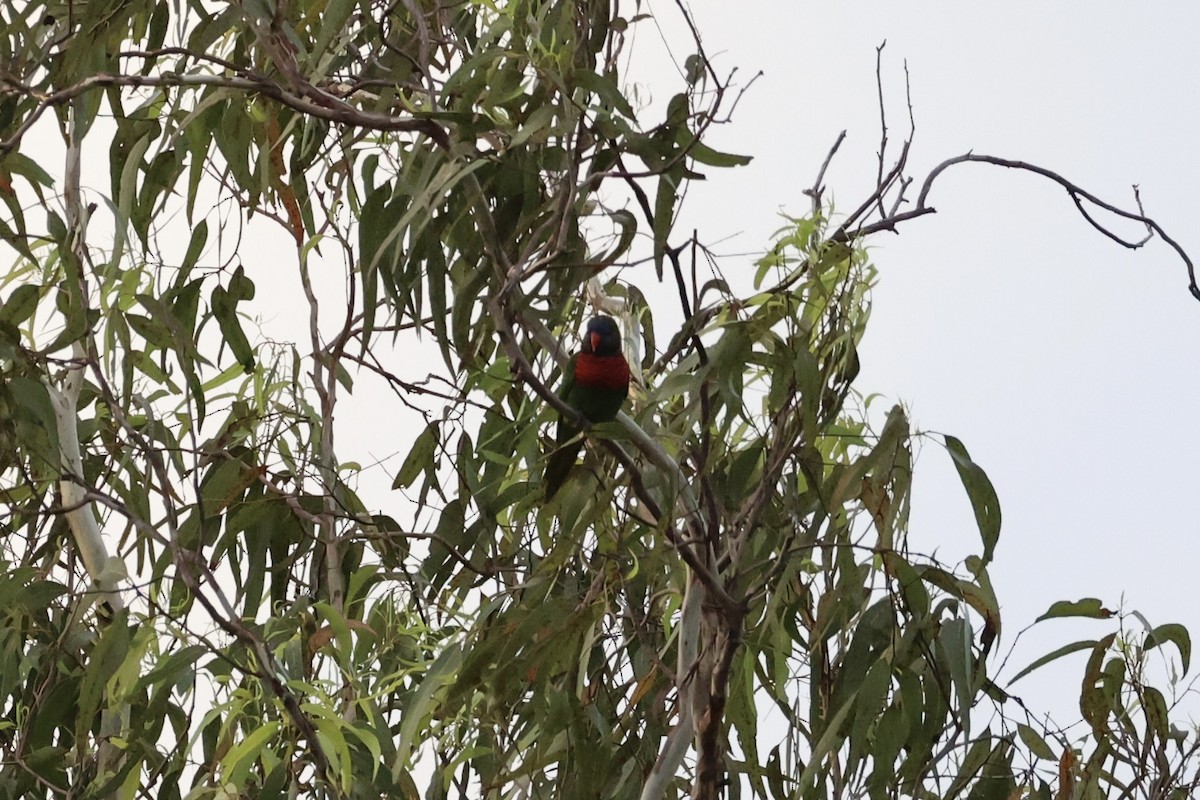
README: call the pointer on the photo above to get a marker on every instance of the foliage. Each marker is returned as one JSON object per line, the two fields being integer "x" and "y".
{"x": 200, "y": 597}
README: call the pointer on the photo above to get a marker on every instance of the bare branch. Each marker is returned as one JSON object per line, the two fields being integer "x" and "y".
{"x": 818, "y": 189}
{"x": 883, "y": 131}
{"x": 1077, "y": 195}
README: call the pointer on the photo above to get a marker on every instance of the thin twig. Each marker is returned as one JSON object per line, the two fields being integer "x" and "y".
{"x": 883, "y": 131}
{"x": 818, "y": 188}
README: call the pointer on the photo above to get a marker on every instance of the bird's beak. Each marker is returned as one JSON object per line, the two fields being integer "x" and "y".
{"x": 595, "y": 342}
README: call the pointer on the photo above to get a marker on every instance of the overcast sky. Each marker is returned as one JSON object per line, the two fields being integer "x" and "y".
{"x": 1066, "y": 364}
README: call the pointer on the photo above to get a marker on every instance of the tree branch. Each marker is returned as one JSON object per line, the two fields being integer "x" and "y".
{"x": 329, "y": 108}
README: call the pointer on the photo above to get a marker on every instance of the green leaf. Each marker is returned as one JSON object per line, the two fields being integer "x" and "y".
{"x": 891, "y": 439}
{"x": 628, "y": 225}
{"x": 375, "y": 230}
{"x": 1065, "y": 650}
{"x": 453, "y": 534}
{"x": 742, "y": 711}
{"x": 1154, "y": 706}
{"x": 420, "y": 457}
{"x": 424, "y": 701}
{"x": 830, "y": 740}
{"x": 956, "y": 639}
{"x": 17, "y": 238}
{"x": 35, "y": 421}
{"x": 912, "y": 588}
{"x": 981, "y": 493}
{"x": 538, "y": 121}
{"x": 678, "y": 108}
{"x": 195, "y": 247}
{"x": 996, "y": 781}
{"x": 174, "y": 669}
{"x": 242, "y": 756}
{"x": 331, "y": 23}
{"x": 1034, "y": 741}
{"x": 1094, "y": 703}
{"x": 971, "y": 764}
{"x": 891, "y": 734}
{"x": 706, "y": 155}
{"x": 106, "y": 658}
{"x": 153, "y": 331}
{"x": 664, "y": 209}
{"x": 48, "y": 765}
{"x": 225, "y": 484}
{"x": 224, "y": 307}
{"x": 1176, "y": 634}
{"x": 128, "y": 159}
{"x": 605, "y": 88}
{"x": 77, "y": 319}
{"x": 240, "y": 287}
{"x": 21, "y": 304}
{"x": 1087, "y": 607}
{"x": 19, "y": 164}
{"x": 872, "y": 698}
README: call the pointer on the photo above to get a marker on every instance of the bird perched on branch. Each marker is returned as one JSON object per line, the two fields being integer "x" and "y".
{"x": 595, "y": 383}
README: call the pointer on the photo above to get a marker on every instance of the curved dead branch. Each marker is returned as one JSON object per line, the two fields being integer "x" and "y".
{"x": 1079, "y": 196}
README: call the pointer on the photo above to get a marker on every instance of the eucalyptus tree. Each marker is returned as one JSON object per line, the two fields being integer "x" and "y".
{"x": 241, "y": 234}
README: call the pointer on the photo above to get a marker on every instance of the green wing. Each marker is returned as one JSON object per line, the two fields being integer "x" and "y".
{"x": 566, "y": 393}
{"x": 562, "y": 458}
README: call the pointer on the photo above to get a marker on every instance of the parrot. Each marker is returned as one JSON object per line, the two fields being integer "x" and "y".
{"x": 595, "y": 383}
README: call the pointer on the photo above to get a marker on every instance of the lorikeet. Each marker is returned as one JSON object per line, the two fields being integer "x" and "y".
{"x": 595, "y": 383}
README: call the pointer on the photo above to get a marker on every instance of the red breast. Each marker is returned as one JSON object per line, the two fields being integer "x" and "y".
{"x": 602, "y": 372}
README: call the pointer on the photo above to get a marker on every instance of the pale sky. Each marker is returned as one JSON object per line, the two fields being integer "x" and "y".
{"x": 1065, "y": 363}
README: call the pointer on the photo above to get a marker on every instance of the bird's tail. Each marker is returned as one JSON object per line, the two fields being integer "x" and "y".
{"x": 559, "y": 466}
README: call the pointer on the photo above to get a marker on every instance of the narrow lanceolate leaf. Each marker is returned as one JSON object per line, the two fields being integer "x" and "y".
{"x": 250, "y": 749}
{"x": 713, "y": 158}
{"x": 33, "y": 419}
{"x": 1094, "y": 703}
{"x": 977, "y": 755}
{"x": 420, "y": 457}
{"x": 664, "y": 211}
{"x": 982, "y": 494}
{"x": 224, "y": 307}
{"x": 195, "y": 246}
{"x": 1065, "y": 650}
{"x": 884, "y": 454}
{"x": 1177, "y": 635}
{"x": 956, "y": 638}
{"x": 1154, "y": 706}
{"x": 441, "y": 673}
{"x": 1034, "y": 741}
{"x": 1087, "y": 607}
{"x": 20, "y": 305}
{"x": 457, "y": 173}
{"x": 831, "y": 739}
